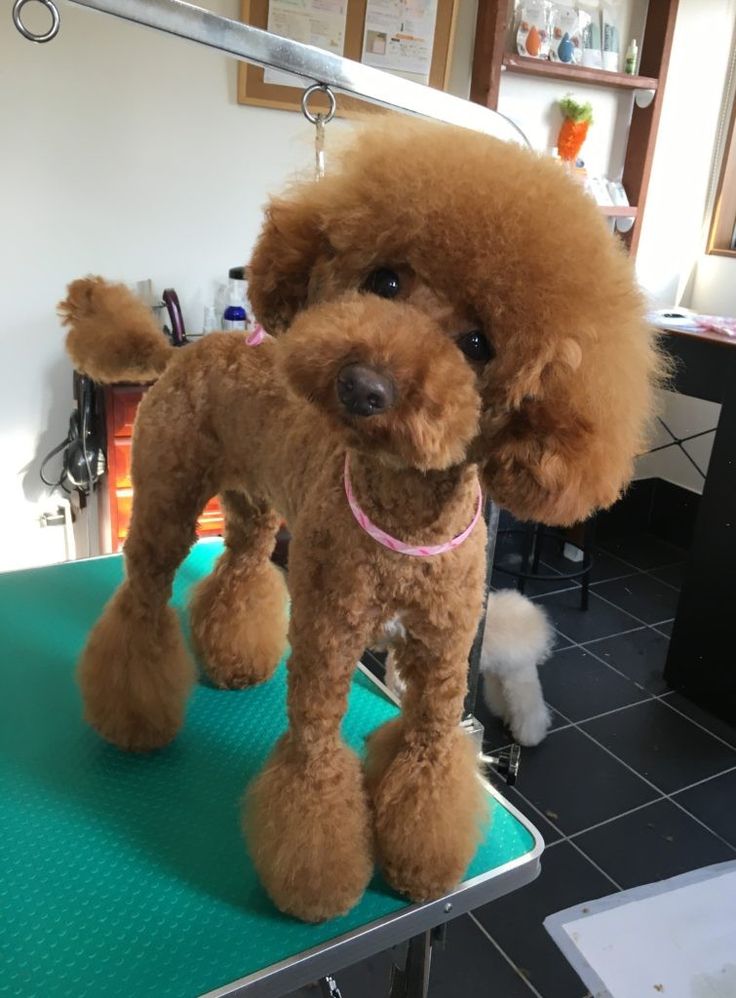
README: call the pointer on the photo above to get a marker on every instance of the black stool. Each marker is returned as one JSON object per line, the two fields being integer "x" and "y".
{"x": 534, "y": 535}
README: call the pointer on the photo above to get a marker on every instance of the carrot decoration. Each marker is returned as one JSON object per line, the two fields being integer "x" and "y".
{"x": 577, "y": 120}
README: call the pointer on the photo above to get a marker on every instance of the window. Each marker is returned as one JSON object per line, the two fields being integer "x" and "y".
{"x": 722, "y": 239}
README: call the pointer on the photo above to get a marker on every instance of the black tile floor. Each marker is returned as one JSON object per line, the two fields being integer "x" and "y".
{"x": 633, "y": 784}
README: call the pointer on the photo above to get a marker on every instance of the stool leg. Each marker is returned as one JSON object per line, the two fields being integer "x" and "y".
{"x": 530, "y": 533}
{"x": 588, "y": 536}
{"x": 538, "y": 538}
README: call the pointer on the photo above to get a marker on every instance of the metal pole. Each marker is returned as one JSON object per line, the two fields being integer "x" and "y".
{"x": 262, "y": 48}
{"x": 491, "y": 514}
{"x": 413, "y": 980}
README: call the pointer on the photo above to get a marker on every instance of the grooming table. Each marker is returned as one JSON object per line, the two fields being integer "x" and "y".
{"x": 126, "y": 875}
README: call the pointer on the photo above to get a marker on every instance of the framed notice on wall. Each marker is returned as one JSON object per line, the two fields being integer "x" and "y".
{"x": 411, "y": 38}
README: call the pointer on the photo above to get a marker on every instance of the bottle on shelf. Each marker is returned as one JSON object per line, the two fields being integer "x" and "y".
{"x": 235, "y": 316}
{"x": 632, "y": 54}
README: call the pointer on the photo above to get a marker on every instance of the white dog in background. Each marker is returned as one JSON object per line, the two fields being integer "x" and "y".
{"x": 517, "y": 638}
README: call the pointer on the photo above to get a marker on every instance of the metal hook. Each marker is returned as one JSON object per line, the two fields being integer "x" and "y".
{"x": 319, "y": 121}
{"x": 321, "y": 88}
{"x": 26, "y": 32}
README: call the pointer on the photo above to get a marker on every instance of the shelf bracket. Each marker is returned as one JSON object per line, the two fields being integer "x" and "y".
{"x": 625, "y": 223}
{"x": 643, "y": 98}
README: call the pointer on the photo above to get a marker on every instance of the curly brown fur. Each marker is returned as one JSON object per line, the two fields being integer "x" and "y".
{"x": 551, "y": 423}
{"x": 96, "y": 312}
{"x": 308, "y": 828}
{"x": 566, "y": 401}
{"x": 138, "y": 698}
{"x": 238, "y": 613}
{"x": 429, "y": 808}
{"x": 436, "y": 416}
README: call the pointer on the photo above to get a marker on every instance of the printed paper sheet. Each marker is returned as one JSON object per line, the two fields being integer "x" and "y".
{"x": 399, "y": 36}
{"x": 313, "y": 22}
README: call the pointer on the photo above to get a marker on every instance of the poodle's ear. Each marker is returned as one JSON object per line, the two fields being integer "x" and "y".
{"x": 290, "y": 243}
{"x": 559, "y": 435}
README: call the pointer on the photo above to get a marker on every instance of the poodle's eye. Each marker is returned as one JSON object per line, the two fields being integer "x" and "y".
{"x": 383, "y": 282}
{"x": 476, "y": 347}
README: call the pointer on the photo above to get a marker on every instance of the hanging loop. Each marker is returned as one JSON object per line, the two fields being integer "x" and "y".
{"x": 319, "y": 148}
{"x": 319, "y": 121}
{"x": 26, "y": 32}
{"x": 321, "y": 88}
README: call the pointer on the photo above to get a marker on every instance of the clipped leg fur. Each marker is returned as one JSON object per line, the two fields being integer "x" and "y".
{"x": 307, "y": 817}
{"x": 307, "y": 824}
{"x": 429, "y": 807}
{"x": 135, "y": 674}
{"x": 238, "y": 613}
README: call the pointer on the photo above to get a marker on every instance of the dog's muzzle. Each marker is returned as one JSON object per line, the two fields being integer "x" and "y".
{"x": 363, "y": 391}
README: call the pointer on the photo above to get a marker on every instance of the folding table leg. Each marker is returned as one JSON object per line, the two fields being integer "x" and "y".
{"x": 413, "y": 980}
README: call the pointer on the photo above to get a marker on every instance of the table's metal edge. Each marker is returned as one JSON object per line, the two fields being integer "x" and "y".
{"x": 350, "y": 948}
{"x": 388, "y": 693}
{"x": 356, "y": 945}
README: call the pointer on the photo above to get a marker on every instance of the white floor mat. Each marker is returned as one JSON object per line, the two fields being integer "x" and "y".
{"x": 675, "y": 938}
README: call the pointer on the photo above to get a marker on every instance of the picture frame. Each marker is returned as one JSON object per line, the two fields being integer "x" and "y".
{"x": 255, "y": 90}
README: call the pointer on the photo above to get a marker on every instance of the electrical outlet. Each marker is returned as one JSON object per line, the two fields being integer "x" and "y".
{"x": 56, "y": 519}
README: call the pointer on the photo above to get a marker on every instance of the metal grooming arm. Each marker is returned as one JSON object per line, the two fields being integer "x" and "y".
{"x": 262, "y": 48}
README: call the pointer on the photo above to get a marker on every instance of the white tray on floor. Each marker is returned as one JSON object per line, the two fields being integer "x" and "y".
{"x": 675, "y": 938}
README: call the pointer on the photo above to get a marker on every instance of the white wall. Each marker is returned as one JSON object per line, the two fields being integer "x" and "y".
{"x": 124, "y": 153}
{"x": 533, "y": 104}
{"x": 714, "y": 286}
{"x": 673, "y": 229}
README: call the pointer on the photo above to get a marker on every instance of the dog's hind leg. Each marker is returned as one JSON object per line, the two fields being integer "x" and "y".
{"x": 307, "y": 818}
{"x": 238, "y": 613}
{"x": 135, "y": 672}
{"x": 421, "y": 770}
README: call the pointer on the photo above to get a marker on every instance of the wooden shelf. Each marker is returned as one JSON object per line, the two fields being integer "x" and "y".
{"x": 618, "y": 211}
{"x": 577, "y": 74}
{"x": 491, "y": 59}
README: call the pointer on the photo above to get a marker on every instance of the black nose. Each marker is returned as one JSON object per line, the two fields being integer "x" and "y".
{"x": 363, "y": 391}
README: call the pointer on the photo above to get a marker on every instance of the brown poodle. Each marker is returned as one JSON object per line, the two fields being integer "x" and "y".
{"x": 456, "y": 312}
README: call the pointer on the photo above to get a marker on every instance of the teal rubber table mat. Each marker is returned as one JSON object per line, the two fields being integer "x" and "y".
{"x": 126, "y": 875}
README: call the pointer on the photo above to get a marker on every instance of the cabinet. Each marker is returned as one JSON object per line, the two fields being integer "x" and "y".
{"x": 491, "y": 58}
{"x": 121, "y": 405}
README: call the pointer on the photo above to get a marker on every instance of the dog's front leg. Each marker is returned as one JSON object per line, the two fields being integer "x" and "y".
{"x": 307, "y": 818}
{"x": 422, "y": 771}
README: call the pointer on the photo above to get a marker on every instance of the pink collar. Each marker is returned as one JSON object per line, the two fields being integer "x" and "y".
{"x": 256, "y": 336}
{"x": 392, "y": 543}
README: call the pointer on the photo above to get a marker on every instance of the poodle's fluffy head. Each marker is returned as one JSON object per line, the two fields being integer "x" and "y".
{"x": 481, "y": 284}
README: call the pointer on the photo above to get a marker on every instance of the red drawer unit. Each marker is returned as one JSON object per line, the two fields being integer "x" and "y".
{"x": 121, "y": 405}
